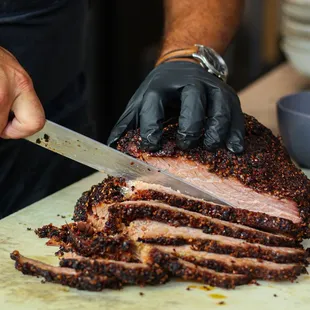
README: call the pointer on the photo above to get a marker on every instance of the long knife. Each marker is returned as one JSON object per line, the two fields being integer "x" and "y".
{"x": 112, "y": 162}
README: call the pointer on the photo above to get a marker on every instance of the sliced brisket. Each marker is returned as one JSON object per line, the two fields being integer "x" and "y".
{"x": 263, "y": 179}
{"x": 103, "y": 246}
{"x": 180, "y": 268}
{"x": 256, "y": 268}
{"x": 128, "y": 211}
{"x": 64, "y": 276}
{"x": 82, "y": 239}
{"x": 126, "y": 273}
{"x": 163, "y": 234}
{"x": 109, "y": 274}
{"x": 144, "y": 191}
{"x": 110, "y": 190}
{"x": 137, "y": 233}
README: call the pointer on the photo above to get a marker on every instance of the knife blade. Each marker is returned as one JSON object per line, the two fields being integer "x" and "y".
{"x": 105, "y": 159}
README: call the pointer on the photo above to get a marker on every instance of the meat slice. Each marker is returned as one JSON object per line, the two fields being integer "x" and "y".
{"x": 130, "y": 232}
{"x": 54, "y": 232}
{"x": 102, "y": 246}
{"x": 180, "y": 268}
{"x": 119, "y": 272}
{"x": 128, "y": 211}
{"x": 145, "y": 191}
{"x": 109, "y": 191}
{"x": 163, "y": 234}
{"x": 256, "y": 268}
{"x": 64, "y": 276}
{"x": 263, "y": 179}
{"x": 126, "y": 273}
{"x": 93, "y": 205}
{"x": 81, "y": 238}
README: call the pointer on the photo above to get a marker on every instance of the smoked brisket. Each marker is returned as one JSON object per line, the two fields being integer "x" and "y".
{"x": 127, "y": 232}
{"x": 125, "y": 272}
{"x": 81, "y": 239}
{"x": 118, "y": 202}
{"x": 256, "y": 268}
{"x": 145, "y": 191}
{"x": 134, "y": 233}
{"x": 177, "y": 267}
{"x": 163, "y": 234}
{"x": 128, "y": 211}
{"x": 262, "y": 179}
{"x": 64, "y": 276}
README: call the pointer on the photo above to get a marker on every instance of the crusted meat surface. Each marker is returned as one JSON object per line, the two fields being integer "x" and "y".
{"x": 180, "y": 268}
{"x": 124, "y": 194}
{"x": 270, "y": 183}
{"x": 82, "y": 239}
{"x": 64, "y": 276}
{"x": 133, "y": 233}
{"x": 109, "y": 190}
{"x": 144, "y": 191}
{"x": 126, "y": 273}
{"x": 256, "y": 268}
{"x": 159, "y": 233}
{"x": 126, "y": 212}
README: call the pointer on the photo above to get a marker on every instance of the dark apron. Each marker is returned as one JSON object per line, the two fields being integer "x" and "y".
{"x": 46, "y": 36}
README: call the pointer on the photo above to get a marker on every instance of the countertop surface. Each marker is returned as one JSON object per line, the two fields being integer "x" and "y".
{"x": 18, "y": 291}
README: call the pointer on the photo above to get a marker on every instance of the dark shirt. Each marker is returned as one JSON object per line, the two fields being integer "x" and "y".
{"x": 9, "y": 7}
{"x": 47, "y": 37}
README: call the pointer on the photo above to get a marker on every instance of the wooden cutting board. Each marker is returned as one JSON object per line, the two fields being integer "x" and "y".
{"x": 18, "y": 291}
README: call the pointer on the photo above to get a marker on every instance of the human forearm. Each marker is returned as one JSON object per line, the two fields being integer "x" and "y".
{"x": 212, "y": 23}
{"x": 208, "y": 106}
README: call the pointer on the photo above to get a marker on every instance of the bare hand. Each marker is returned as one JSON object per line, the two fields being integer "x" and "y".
{"x": 17, "y": 95}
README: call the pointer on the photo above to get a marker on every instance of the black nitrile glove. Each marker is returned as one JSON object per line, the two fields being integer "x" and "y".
{"x": 204, "y": 102}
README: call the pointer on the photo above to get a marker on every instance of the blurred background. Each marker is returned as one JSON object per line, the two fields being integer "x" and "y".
{"x": 122, "y": 38}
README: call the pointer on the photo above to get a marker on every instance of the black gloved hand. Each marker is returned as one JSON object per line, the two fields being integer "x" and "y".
{"x": 205, "y": 102}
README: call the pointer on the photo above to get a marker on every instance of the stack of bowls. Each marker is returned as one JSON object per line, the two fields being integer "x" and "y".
{"x": 295, "y": 33}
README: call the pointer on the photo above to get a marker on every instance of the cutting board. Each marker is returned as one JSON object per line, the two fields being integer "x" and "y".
{"x": 18, "y": 291}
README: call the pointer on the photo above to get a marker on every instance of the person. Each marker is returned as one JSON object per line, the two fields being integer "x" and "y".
{"x": 42, "y": 76}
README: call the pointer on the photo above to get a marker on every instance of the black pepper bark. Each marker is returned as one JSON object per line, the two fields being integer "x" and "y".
{"x": 248, "y": 250}
{"x": 107, "y": 191}
{"x": 127, "y": 274}
{"x": 81, "y": 239}
{"x": 264, "y": 166}
{"x": 176, "y": 268}
{"x": 127, "y": 212}
{"x": 240, "y": 216}
{"x": 56, "y": 275}
{"x": 102, "y": 246}
{"x": 56, "y": 234}
{"x": 260, "y": 272}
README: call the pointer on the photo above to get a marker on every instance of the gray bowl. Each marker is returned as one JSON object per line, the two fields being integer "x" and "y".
{"x": 293, "y": 113}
